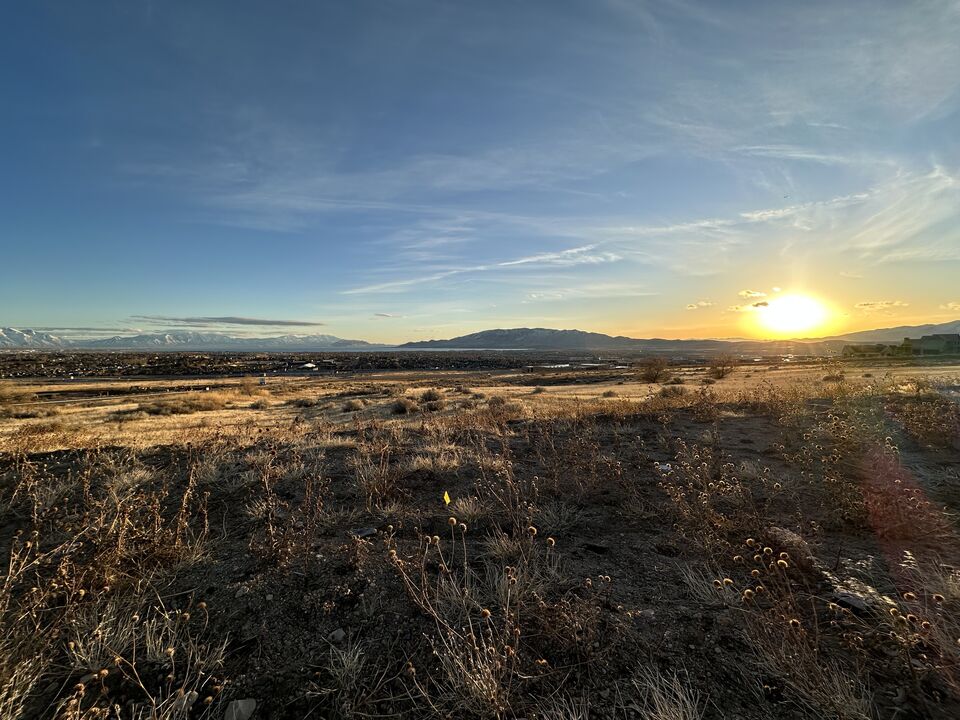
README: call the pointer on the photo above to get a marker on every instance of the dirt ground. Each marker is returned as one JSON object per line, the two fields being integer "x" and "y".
{"x": 780, "y": 542}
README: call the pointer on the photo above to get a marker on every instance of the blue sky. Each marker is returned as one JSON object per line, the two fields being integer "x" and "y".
{"x": 392, "y": 170}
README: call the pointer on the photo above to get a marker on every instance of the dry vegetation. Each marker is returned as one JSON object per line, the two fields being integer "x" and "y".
{"x": 756, "y": 551}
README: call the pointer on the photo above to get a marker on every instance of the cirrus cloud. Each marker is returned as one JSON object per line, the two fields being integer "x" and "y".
{"x": 869, "y": 306}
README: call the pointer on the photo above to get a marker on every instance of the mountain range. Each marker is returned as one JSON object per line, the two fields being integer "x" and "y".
{"x": 543, "y": 339}
{"x": 12, "y": 338}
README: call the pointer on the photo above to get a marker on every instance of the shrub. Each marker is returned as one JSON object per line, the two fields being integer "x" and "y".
{"x": 610, "y": 394}
{"x": 185, "y": 404}
{"x": 352, "y": 405}
{"x": 434, "y": 405}
{"x": 721, "y": 365}
{"x": 304, "y": 402}
{"x": 654, "y": 370}
{"x": 403, "y": 406}
{"x": 431, "y": 395}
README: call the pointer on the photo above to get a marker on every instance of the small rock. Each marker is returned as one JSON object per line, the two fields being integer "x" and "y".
{"x": 269, "y": 598}
{"x": 240, "y": 709}
{"x": 794, "y": 545}
{"x": 337, "y": 636}
{"x": 851, "y": 600}
{"x": 364, "y": 532}
{"x": 242, "y": 591}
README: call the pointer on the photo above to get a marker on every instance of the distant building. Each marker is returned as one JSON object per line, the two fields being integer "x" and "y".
{"x": 870, "y": 350}
{"x": 937, "y": 344}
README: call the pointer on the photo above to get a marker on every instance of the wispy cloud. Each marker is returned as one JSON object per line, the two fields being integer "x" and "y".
{"x": 871, "y": 306}
{"x": 748, "y": 294}
{"x": 212, "y": 321}
{"x": 951, "y": 306}
{"x": 564, "y": 258}
{"x": 748, "y": 308}
{"x": 699, "y": 304}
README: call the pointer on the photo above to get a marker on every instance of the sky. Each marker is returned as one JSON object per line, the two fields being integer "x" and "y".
{"x": 391, "y": 170}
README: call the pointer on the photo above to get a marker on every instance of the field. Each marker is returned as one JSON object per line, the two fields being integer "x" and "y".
{"x": 756, "y": 542}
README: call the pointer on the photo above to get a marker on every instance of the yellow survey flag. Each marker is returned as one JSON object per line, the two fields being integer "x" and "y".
{"x": 446, "y": 497}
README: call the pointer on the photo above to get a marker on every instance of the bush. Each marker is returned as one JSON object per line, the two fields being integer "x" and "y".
{"x": 671, "y": 391}
{"x": 404, "y": 406}
{"x": 610, "y": 394}
{"x": 654, "y": 370}
{"x": 721, "y": 366}
{"x": 304, "y": 402}
{"x": 185, "y": 404}
{"x": 539, "y": 389}
{"x": 352, "y": 405}
{"x": 431, "y": 395}
{"x": 434, "y": 405}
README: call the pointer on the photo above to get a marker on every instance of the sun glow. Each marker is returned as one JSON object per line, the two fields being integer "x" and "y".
{"x": 789, "y": 315}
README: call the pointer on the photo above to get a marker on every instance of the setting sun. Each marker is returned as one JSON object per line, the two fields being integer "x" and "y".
{"x": 792, "y": 314}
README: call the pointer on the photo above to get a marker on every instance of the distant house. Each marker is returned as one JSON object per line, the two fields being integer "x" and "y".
{"x": 870, "y": 350}
{"x": 937, "y": 344}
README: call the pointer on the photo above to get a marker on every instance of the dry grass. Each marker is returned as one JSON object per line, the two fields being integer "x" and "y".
{"x": 761, "y": 551}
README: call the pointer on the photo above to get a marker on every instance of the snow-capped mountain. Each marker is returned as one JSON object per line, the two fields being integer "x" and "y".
{"x": 12, "y": 338}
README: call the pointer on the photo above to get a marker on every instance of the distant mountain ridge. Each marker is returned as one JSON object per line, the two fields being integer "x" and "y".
{"x": 897, "y": 334}
{"x": 12, "y": 338}
{"x": 543, "y": 339}
{"x": 571, "y": 340}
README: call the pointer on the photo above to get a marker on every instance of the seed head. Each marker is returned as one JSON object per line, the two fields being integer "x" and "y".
{"x": 782, "y": 564}
{"x": 451, "y": 521}
{"x": 727, "y": 581}
{"x": 909, "y": 596}
{"x": 551, "y": 542}
{"x": 794, "y": 623}
{"x": 768, "y": 551}
{"x": 738, "y": 558}
{"x": 784, "y": 556}
{"x": 436, "y": 539}
{"x": 755, "y": 572}
{"x": 484, "y": 613}
{"x": 751, "y": 542}
{"x": 532, "y": 530}
{"x": 169, "y": 652}
{"x": 202, "y": 605}
{"x": 938, "y": 598}
{"x": 748, "y": 594}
